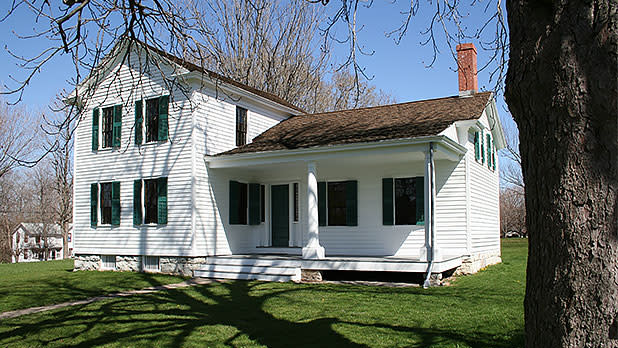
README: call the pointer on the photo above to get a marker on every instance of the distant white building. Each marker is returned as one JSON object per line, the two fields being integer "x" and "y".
{"x": 29, "y": 242}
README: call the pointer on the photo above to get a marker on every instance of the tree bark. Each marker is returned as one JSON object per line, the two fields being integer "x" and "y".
{"x": 562, "y": 90}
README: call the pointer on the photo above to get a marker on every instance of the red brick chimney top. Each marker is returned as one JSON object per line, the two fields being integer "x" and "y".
{"x": 466, "y": 61}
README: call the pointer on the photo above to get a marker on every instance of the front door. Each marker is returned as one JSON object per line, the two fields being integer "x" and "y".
{"x": 280, "y": 218}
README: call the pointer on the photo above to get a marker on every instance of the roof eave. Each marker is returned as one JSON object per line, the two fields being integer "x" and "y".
{"x": 450, "y": 147}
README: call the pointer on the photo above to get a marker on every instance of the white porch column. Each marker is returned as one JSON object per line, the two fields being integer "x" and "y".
{"x": 313, "y": 249}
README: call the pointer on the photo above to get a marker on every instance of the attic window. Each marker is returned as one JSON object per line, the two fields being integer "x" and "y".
{"x": 241, "y": 126}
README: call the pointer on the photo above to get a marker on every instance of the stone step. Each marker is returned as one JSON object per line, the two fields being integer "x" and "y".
{"x": 251, "y": 269}
{"x": 244, "y": 261}
{"x": 246, "y": 276}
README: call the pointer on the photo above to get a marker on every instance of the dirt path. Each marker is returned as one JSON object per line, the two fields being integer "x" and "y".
{"x": 32, "y": 310}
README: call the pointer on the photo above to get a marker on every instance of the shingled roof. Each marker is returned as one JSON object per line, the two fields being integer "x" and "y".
{"x": 397, "y": 121}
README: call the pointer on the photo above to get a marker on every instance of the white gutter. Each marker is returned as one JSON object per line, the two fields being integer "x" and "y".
{"x": 446, "y": 144}
{"x": 432, "y": 230}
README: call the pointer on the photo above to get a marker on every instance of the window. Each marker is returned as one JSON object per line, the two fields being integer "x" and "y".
{"x": 403, "y": 201}
{"x": 152, "y": 120}
{"x": 151, "y": 263}
{"x": 337, "y": 203}
{"x": 107, "y": 127}
{"x": 25, "y": 238}
{"x": 69, "y": 238}
{"x": 238, "y": 203}
{"x": 152, "y": 209}
{"x": 108, "y": 262}
{"x": 38, "y": 240}
{"x": 105, "y": 204}
{"x": 241, "y": 126}
{"x": 109, "y": 121}
{"x": 296, "y": 207}
{"x": 156, "y": 120}
{"x": 262, "y": 203}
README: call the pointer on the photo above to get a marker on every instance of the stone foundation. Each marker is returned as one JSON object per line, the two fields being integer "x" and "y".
{"x": 87, "y": 262}
{"x": 307, "y": 275}
{"x": 168, "y": 264}
{"x": 181, "y": 265}
{"x": 478, "y": 261}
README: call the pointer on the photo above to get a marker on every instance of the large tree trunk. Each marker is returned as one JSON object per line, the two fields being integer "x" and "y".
{"x": 562, "y": 91}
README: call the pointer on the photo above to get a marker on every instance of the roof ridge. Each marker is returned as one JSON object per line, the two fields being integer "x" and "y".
{"x": 394, "y": 104}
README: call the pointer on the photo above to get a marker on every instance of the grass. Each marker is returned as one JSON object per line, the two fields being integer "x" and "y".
{"x": 35, "y": 284}
{"x": 482, "y": 310}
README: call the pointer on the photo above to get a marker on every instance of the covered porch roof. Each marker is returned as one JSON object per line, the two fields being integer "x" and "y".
{"x": 374, "y": 153}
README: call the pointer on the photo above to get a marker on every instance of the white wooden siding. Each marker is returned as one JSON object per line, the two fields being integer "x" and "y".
{"x": 171, "y": 159}
{"x": 215, "y": 132}
{"x": 450, "y": 207}
{"x": 484, "y": 201}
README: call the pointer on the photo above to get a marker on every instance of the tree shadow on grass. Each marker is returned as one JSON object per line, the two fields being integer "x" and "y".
{"x": 224, "y": 314}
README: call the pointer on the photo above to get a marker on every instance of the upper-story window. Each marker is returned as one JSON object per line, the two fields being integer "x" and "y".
{"x": 154, "y": 127}
{"x": 106, "y": 127}
{"x": 241, "y": 126}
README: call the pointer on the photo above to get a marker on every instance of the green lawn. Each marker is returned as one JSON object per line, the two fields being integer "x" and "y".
{"x": 34, "y": 284}
{"x": 483, "y": 310}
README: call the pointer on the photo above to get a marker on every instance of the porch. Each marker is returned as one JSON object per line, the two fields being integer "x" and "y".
{"x": 270, "y": 267}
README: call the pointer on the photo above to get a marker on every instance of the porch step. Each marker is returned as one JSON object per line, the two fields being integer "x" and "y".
{"x": 250, "y": 268}
{"x": 245, "y": 276}
{"x": 255, "y": 262}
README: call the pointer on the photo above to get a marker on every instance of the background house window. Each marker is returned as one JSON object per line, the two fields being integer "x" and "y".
{"x": 106, "y": 203}
{"x": 152, "y": 120}
{"x": 107, "y": 126}
{"x": 241, "y": 126}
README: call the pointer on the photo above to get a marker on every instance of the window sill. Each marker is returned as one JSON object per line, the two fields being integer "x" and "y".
{"x": 152, "y": 143}
{"x": 106, "y": 149}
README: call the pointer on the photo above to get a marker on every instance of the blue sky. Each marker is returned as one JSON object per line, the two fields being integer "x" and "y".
{"x": 398, "y": 69}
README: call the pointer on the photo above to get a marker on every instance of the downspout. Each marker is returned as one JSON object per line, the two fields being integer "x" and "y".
{"x": 432, "y": 233}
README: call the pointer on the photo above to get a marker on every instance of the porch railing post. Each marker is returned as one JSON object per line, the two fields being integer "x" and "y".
{"x": 313, "y": 249}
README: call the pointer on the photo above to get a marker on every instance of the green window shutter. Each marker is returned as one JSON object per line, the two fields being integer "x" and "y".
{"x": 477, "y": 146}
{"x": 139, "y": 121}
{"x": 163, "y": 116}
{"x": 116, "y": 203}
{"x": 322, "y": 203}
{"x": 254, "y": 204}
{"x": 95, "y": 129}
{"x": 234, "y": 202}
{"x": 94, "y": 199}
{"x": 420, "y": 199}
{"x": 117, "y": 126}
{"x": 482, "y": 148}
{"x": 351, "y": 203}
{"x": 387, "y": 202}
{"x": 137, "y": 202}
{"x": 162, "y": 201}
{"x": 488, "y": 151}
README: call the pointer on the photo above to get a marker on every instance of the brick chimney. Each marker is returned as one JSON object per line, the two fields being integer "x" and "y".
{"x": 466, "y": 61}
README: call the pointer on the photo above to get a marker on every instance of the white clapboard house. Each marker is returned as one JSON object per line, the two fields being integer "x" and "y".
{"x": 181, "y": 170}
{"x": 39, "y": 242}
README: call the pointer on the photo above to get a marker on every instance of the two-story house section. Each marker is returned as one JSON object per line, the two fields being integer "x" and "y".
{"x": 181, "y": 170}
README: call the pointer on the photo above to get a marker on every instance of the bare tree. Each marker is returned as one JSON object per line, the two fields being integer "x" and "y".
{"x": 43, "y": 204}
{"x": 512, "y": 210}
{"x": 510, "y": 170}
{"x": 62, "y": 165}
{"x": 18, "y": 137}
{"x": 14, "y": 208}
